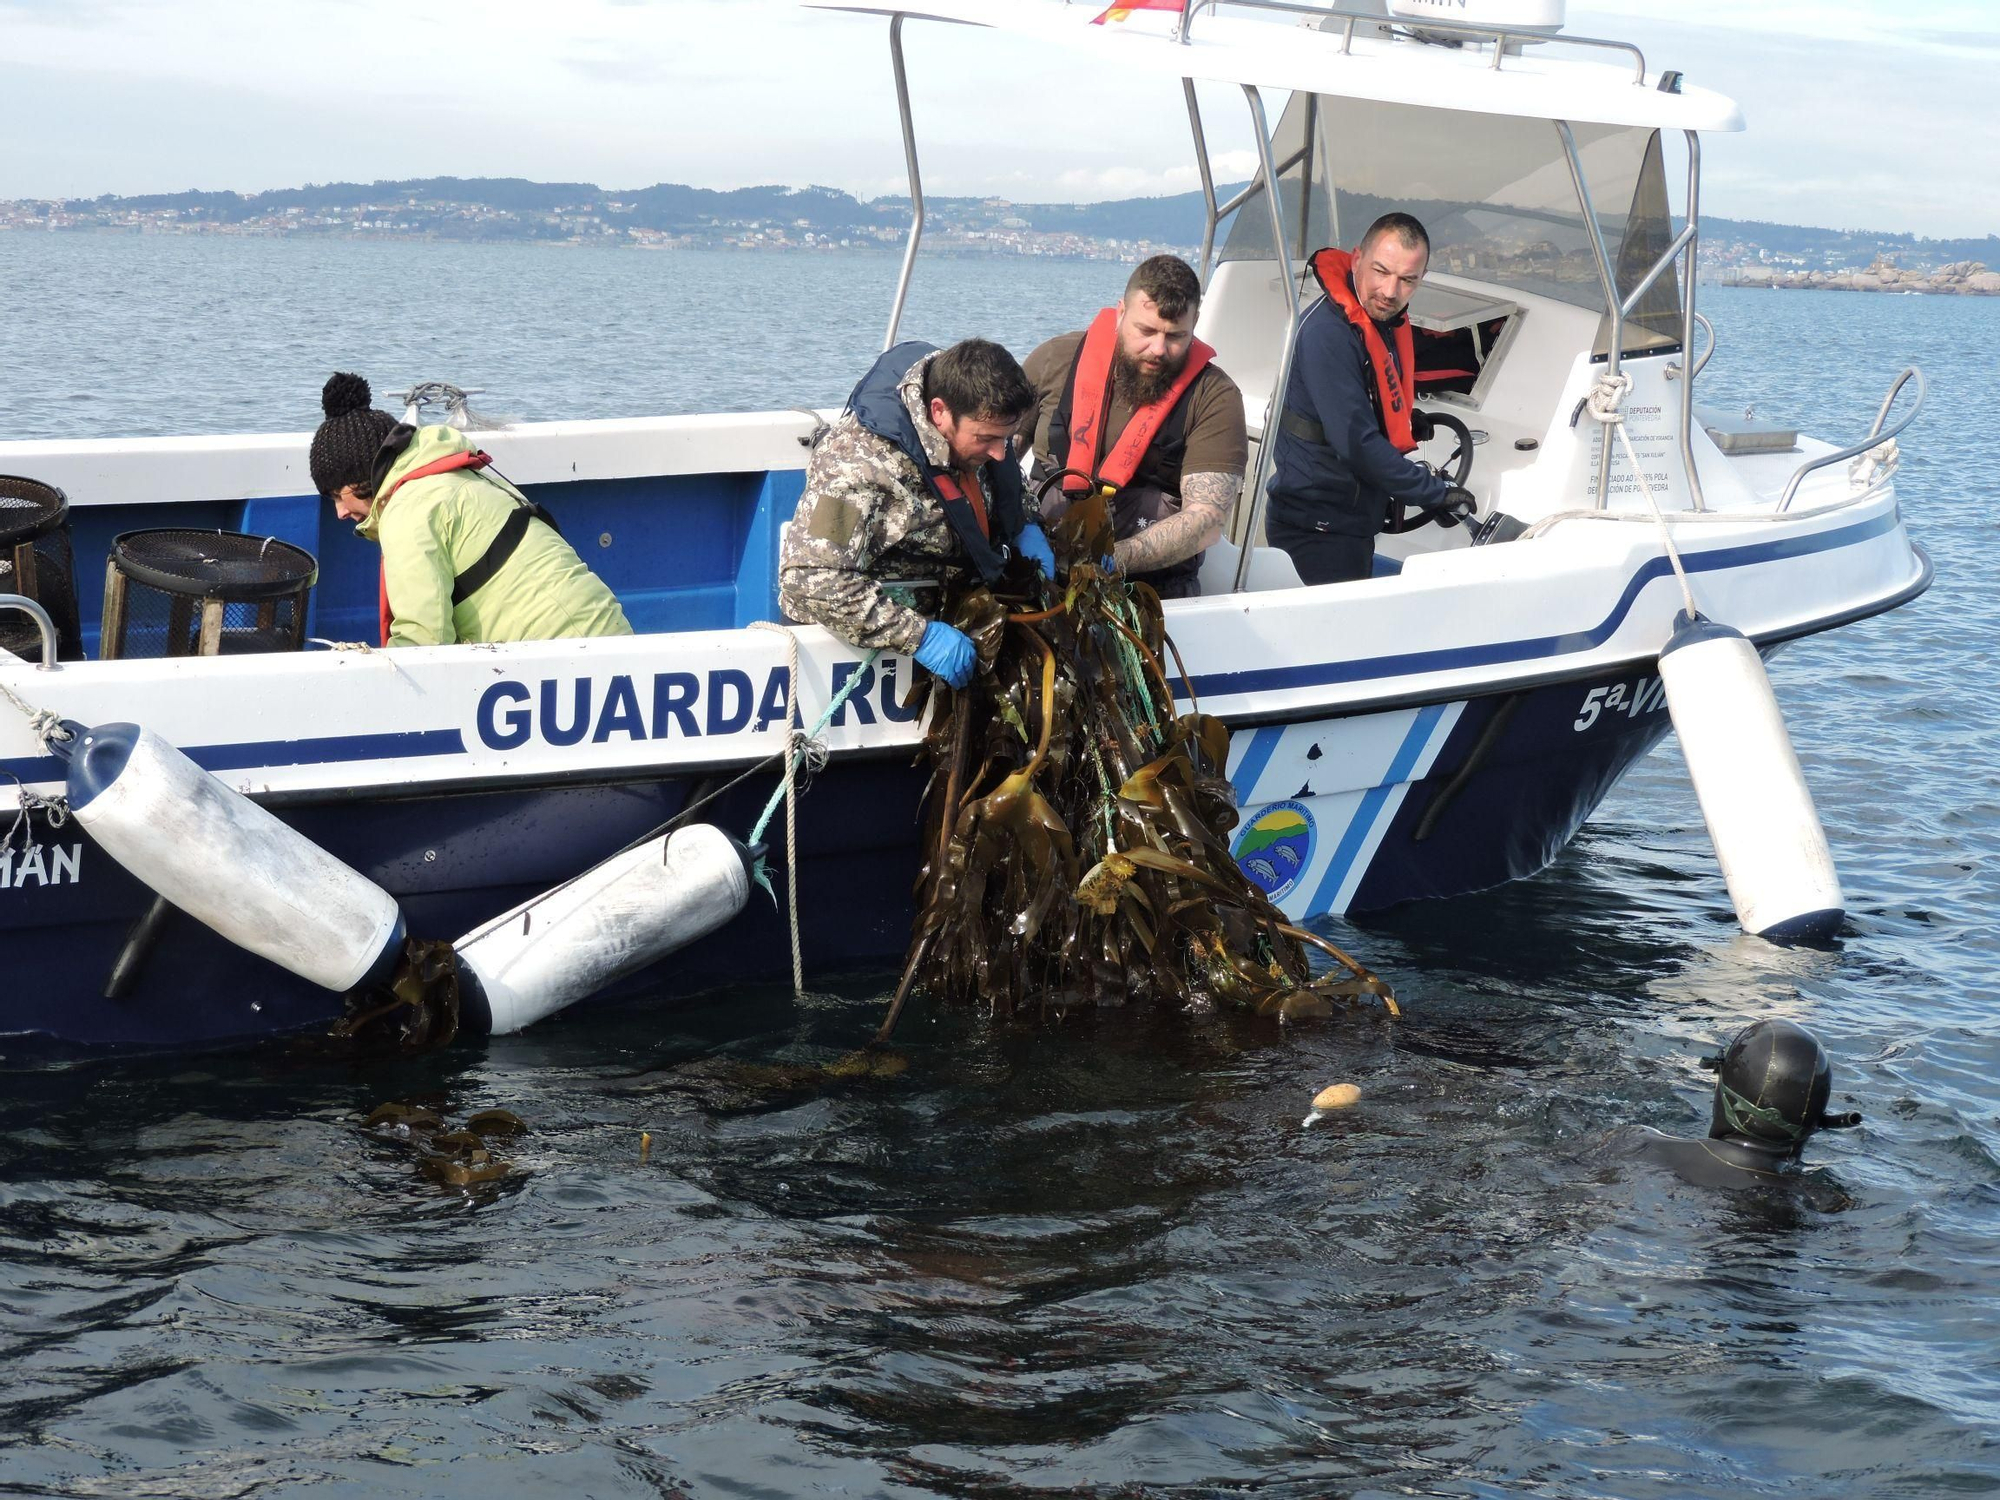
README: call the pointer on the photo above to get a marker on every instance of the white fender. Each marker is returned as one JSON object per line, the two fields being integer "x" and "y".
{"x": 1760, "y": 815}
{"x": 227, "y": 862}
{"x": 611, "y": 921}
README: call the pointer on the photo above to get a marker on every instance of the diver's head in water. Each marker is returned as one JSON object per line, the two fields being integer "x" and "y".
{"x": 1771, "y": 1093}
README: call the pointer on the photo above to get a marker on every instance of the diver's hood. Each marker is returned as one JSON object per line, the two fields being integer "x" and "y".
{"x": 1772, "y": 1090}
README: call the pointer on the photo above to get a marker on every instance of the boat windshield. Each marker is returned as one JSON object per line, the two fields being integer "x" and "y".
{"x": 1494, "y": 191}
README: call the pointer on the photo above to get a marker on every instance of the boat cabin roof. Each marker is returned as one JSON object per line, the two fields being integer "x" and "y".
{"x": 1297, "y": 50}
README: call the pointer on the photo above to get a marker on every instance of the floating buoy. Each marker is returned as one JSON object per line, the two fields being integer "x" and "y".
{"x": 1334, "y": 1096}
{"x": 225, "y": 861}
{"x": 1760, "y": 815}
{"x": 611, "y": 921}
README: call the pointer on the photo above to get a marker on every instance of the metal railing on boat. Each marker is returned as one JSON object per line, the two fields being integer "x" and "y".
{"x": 916, "y": 180}
{"x": 43, "y": 622}
{"x": 1707, "y": 351}
{"x": 1876, "y": 436}
{"x": 1499, "y": 36}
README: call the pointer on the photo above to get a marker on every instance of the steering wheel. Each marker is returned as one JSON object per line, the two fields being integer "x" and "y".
{"x": 1458, "y": 463}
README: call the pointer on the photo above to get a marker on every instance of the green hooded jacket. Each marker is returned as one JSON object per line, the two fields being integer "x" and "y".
{"x": 433, "y": 529}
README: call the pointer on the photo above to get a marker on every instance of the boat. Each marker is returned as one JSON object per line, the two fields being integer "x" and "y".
{"x": 1440, "y": 728}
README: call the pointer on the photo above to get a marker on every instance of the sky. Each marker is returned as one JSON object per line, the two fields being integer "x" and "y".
{"x": 1863, "y": 114}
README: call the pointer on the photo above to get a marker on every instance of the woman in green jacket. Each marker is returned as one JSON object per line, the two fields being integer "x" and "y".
{"x": 465, "y": 556}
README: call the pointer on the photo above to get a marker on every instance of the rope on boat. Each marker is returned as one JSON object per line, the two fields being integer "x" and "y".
{"x": 1604, "y": 400}
{"x": 46, "y": 722}
{"x": 790, "y": 788}
{"x": 820, "y": 426}
{"x": 1878, "y": 462}
{"x": 56, "y": 809}
{"x": 48, "y": 727}
{"x": 807, "y": 750}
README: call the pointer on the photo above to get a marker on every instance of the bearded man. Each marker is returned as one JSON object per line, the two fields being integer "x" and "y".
{"x": 1138, "y": 403}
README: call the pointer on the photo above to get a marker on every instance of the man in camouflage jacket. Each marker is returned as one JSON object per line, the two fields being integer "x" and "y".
{"x": 915, "y": 482}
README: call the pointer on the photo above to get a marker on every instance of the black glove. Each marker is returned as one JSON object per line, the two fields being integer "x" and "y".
{"x": 1422, "y": 428}
{"x": 1457, "y": 505}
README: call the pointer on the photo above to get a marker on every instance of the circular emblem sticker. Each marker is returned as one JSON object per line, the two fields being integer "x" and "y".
{"x": 1275, "y": 847}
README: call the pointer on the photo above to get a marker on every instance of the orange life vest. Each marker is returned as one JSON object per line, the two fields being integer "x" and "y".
{"x": 1333, "y": 269}
{"x": 949, "y": 490}
{"x": 1091, "y": 407}
{"x": 473, "y": 460}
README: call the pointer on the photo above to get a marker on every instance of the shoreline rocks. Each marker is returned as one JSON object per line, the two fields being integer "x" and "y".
{"x": 1965, "y": 278}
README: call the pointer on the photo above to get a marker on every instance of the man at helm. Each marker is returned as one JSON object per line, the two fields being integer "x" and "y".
{"x": 1136, "y": 402}
{"x": 1349, "y": 414}
{"x": 915, "y": 482}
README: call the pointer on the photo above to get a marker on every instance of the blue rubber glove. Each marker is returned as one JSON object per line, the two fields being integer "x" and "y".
{"x": 1033, "y": 544}
{"x": 949, "y": 652}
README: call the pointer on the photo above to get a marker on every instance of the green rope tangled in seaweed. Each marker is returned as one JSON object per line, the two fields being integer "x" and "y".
{"x": 1076, "y": 845}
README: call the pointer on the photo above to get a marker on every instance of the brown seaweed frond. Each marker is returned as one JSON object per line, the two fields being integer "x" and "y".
{"x": 1077, "y": 827}
{"x": 417, "y": 1010}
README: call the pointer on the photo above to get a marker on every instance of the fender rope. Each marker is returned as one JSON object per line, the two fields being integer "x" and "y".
{"x": 48, "y": 728}
{"x": 1604, "y": 400}
{"x": 46, "y": 722}
{"x": 807, "y": 750}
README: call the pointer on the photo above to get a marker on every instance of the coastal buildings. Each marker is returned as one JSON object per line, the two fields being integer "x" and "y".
{"x": 830, "y": 222}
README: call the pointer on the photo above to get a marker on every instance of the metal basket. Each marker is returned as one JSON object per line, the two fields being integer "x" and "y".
{"x": 175, "y": 592}
{"x": 35, "y": 560}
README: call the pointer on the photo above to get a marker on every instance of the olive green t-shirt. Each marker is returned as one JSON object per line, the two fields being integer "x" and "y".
{"x": 1216, "y": 440}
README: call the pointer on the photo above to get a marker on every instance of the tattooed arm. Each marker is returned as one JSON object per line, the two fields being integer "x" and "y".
{"x": 1204, "y": 515}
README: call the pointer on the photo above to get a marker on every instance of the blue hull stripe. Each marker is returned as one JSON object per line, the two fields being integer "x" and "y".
{"x": 339, "y": 749}
{"x": 1256, "y": 756}
{"x": 1494, "y": 653}
{"x": 1363, "y": 822}
{"x": 331, "y": 749}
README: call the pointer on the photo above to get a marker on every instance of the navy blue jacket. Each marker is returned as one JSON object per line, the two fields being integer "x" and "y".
{"x": 1343, "y": 485}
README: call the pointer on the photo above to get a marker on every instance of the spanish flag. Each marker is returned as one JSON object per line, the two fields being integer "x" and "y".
{"x": 1122, "y": 12}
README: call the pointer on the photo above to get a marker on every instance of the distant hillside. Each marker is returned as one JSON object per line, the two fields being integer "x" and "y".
{"x": 676, "y": 208}
{"x": 666, "y": 205}
{"x": 1174, "y": 220}
{"x": 1858, "y": 246}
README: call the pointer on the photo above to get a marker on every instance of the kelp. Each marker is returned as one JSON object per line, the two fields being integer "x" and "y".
{"x": 1077, "y": 829}
{"x": 461, "y": 1157}
{"x": 417, "y": 1010}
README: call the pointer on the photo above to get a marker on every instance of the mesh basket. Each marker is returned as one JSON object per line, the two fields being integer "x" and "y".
{"x": 173, "y": 592}
{"x": 35, "y": 560}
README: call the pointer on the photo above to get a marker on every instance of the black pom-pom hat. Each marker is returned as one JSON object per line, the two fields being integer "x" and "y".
{"x": 344, "y": 448}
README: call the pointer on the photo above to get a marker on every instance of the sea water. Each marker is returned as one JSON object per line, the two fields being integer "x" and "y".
{"x": 1099, "y": 1257}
